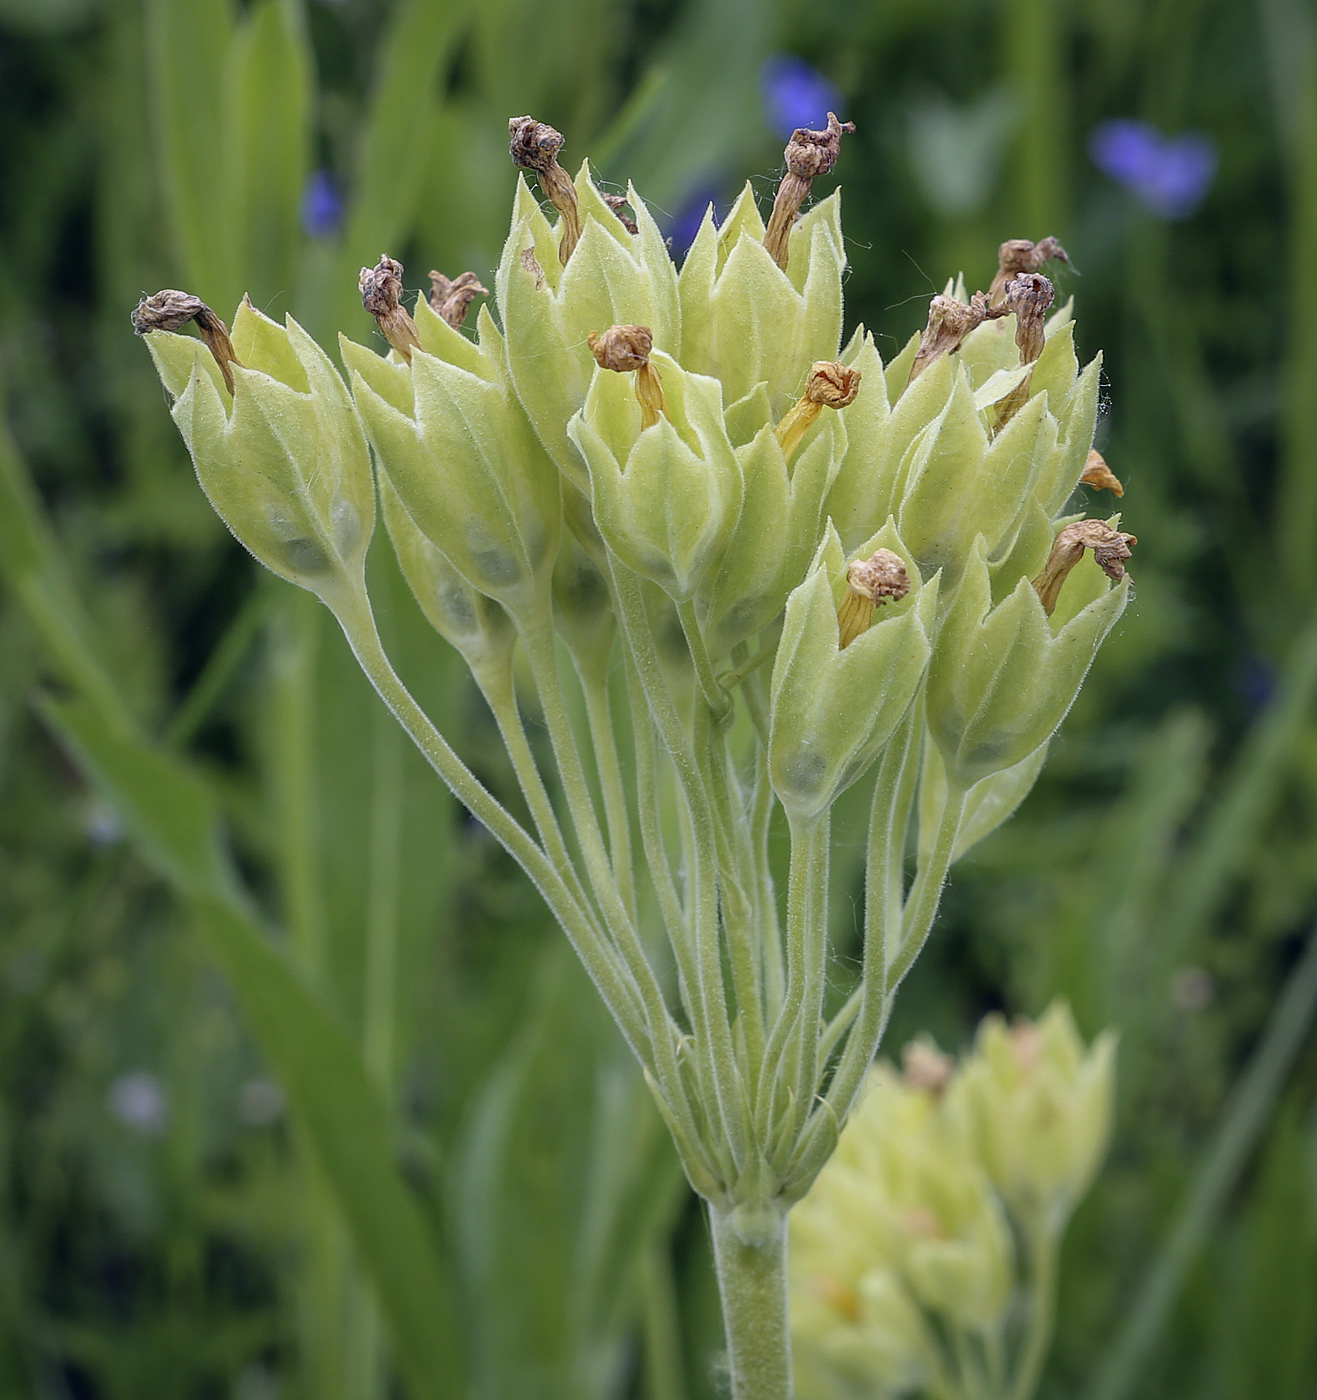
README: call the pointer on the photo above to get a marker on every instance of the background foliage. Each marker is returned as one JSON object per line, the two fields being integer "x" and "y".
{"x": 188, "y": 1075}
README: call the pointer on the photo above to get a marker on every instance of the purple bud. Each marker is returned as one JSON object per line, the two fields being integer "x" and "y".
{"x": 322, "y": 208}
{"x": 796, "y": 94}
{"x": 1169, "y": 176}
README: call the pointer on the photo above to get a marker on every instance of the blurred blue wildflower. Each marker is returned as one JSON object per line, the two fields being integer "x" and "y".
{"x": 322, "y": 206}
{"x": 138, "y": 1101}
{"x": 796, "y": 94}
{"x": 1169, "y": 175}
{"x": 686, "y": 224}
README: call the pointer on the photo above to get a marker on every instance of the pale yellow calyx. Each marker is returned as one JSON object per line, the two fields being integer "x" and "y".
{"x": 1110, "y": 549}
{"x": 1019, "y": 255}
{"x": 381, "y": 293}
{"x": 451, "y": 299}
{"x": 171, "y": 310}
{"x": 869, "y": 584}
{"x": 626, "y": 349}
{"x": 949, "y": 322}
{"x": 831, "y": 384}
{"x": 1097, "y": 474}
{"x": 808, "y": 154}
{"x": 535, "y": 146}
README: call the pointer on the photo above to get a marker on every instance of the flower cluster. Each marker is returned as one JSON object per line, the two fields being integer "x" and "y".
{"x": 906, "y": 1274}
{"x": 794, "y": 567}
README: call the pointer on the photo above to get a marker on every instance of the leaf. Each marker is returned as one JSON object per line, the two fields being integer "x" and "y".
{"x": 267, "y": 126}
{"x": 175, "y": 818}
{"x": 187, "y": 48}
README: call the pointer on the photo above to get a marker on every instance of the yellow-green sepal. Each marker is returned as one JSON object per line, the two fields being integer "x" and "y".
{"x": 832, "y": 710}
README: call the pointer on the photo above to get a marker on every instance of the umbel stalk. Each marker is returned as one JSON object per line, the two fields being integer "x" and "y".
{"x": 747, "y": 569}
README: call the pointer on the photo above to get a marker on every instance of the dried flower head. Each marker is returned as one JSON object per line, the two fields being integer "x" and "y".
{"x": 626, "y": 349}
{"x": 949, "y": 322}
{"x": 381, "y": 292}
{"x": 450, "y": 299}
{"x": 1019, "y": 255}
{"x": 1028, "y": 296}
{"x": 171, "y": 310}
{"x": 869, "y": 584}
{"x": 1110, "y": 549}
{"x": 831, "y": 384}
{"x": 808, "y": 154}
{"x": 535, "y": 146}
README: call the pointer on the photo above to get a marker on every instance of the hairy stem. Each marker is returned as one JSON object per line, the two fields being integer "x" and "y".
{"x": 752, "y": 1282}
{"x": 619, "y": 991}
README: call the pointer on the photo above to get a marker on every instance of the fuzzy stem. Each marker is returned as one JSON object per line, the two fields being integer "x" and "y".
{"x": 752, "y": 1282}
{"x": 702, "y": 908}
{"x": 599, "y": 717}
{"x": 1042, "y": 1312}
{"x": 619, "y": 991}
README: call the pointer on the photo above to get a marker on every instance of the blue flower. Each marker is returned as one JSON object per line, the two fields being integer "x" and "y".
{"x": 796, "y": 94}
{"x": 1169, "y": 175}
{"x": 686, "y": 224}
{"x": 322, "y": 206}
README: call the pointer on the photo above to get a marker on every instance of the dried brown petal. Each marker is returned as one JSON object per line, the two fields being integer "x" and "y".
{"x": 869, "y": 584}
{"x": 535, "y": 146}
{"x": 1018, "y": 255}
{"x": 171, "y": 310}
{"x": 530, "y": 263}
{"x": 1099, "y": 475}
{"x": 808, "y": 154}
{"x": 1110, "y": 548}
{"x": 618, "y": 202}
{"x": 381, "y": 292}
{"x": 450, "y": 299}
{"x": 949, "y": 322}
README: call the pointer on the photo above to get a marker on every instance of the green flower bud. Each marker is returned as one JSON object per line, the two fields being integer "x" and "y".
{"x": 1001, "y": 679}
{"x": 473, "y": 623}
{"x": 899, "y": 1201}
{"x": 959, "y": 483}
{"x": 783, "y": 506}
{"x": 285, "y": 463}
{"x": 987, "y": 805}
{"x": 833, "y": 708}
{"x": 583, "y": 609}
{"x": 613, "y": 277}
{"x": 744, "y": 319}
{"x": 460, "y": 454}
{"x": 665, "y": 498}
{"x": 860, "y": 498}
{"x": 1036, "y": 1109}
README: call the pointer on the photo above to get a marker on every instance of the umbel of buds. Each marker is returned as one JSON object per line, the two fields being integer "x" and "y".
{"x": 943, "y": 1211}
{"x": 801, "y": 570}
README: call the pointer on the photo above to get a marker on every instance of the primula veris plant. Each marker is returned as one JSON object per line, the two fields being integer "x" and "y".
{"x": 744, "y": 570}
{"x": 923, "y": 1262}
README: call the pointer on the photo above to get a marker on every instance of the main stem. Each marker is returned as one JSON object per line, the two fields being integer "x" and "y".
{"x": 752, "y": 1282}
